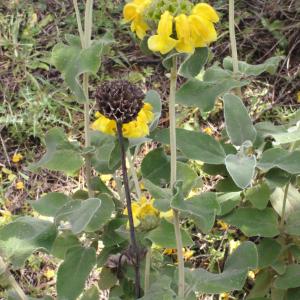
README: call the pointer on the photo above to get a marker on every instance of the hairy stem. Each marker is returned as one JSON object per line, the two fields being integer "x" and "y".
{"x": 85, "y": 37}
{"x": 134, "y": 176}
{"x": 147, "y": 271}
{"x": 12, "y": 282}
{"x": 285, "y": 195}
{"x": 176, "y": 220}
{"x": 283, "y": 210}
{"x": 133, "y": 241}
{"x": 234, "y": 54}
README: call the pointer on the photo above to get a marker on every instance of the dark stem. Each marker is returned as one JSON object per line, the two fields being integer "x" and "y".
{"x": 133, "y": 242}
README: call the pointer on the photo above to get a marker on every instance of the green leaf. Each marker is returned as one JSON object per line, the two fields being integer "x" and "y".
{"x": 160, "y": 289}
{"x": 61, "y": 155}
{"x": 195, "y": 145}
{"x": 270, "y": 66}
{"x": 292, "y": 200}
{"x": 103, "y": 214}
{"x": 74, "y": 271}
{"x": 162, "y": 196}
{"x": 291, "y": 136}
{"x": 203, "y": 94}
{"x": 105, "y": 146}
{"x": 72, "y": 61}
{"x": 188, "y": 176}
{"x": 233, "y": 276}
{"x": 63, "y": 243}
{"x": 20, "y": 238}
{"x": 293, "y": 294}
{"x": 91, "y": 294}
{"x": 290, "y": 279}
{"x": 282, "y": 159}
{"x": 252, "y": 221}
{"x": 193, "y": 64}
{"x": 262, "y": 284}
{"x": 107, "y": 279}
{"x": 268, "y": 252}
{"x": 238, "y": 123}
{"x": 202, "y": 209}
{"x": 259, "y": 195}
{"x": 153, "y": 98}
{"x": 78, "y": 214}
{"x": 156, "y": 167}
{"x": 50, "y": 204}
{"x": 164, "y": 236}
{"x": 293, "y": 223}
{"x": 241, "y": 168}
{"x": 228, "y": 201}
{"x": 168, "y": 60}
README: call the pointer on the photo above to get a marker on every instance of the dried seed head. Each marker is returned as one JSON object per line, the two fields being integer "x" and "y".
{"x": 119, "y": 100}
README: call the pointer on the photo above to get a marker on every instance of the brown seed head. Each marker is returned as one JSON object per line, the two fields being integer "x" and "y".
{"x": 119, "y": 100}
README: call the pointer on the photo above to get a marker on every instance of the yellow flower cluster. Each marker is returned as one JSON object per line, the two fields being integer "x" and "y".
{"x": 191, "y": 31}
{"x": 133, "y": 12}
{"x": 135, "y": 129}
{"x": 142, "y": 210}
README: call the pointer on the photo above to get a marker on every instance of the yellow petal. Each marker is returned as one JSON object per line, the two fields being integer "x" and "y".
{"x": 130, "y": 11}
{"x": 139, "y": 26}
{"x": 206, "y": 11}
{"x": 203, "y": 31}
{"x": 183, "y": 30}
{"x": 162, "y": 44}
{"x": 17, "y": 157}
{"x": 165, "y": 25}
{"x": 104, "y": 125}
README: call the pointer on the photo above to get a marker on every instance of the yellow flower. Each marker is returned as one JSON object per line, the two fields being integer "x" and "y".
{"x": 208, "y": 130}
{"x": 188, "y": 254}
{"x": 135, "y": 129}
{"x": 20, "y": 185}
{"x": 224, "y": 296}
{"x": 298, "y": 97}
{"x": 202, "y": 30}
{"x": 17, "y": 157}
{"x": 223, "y": 226}
{"x": 169, "y": 251}
{"x": 206, "y": 11}
{"x": 133, "y": 12}
{"x": 183, "y": 30}
{"x": 6, "y": 216}
{"x": 49, "y": 274}
{"x": 142, "y": 210}
{"x": 162, "y": 42}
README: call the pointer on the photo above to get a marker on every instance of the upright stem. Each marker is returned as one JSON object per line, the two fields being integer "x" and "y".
{"x": 13, "y": 283}
{"x": 85, "y": 37}
{"x": 133, "y": 241}
{"x": 235, "y": 61}
{"x": 147, "y": 271}
{"x": 285, "y": 195}
{"x": 176, "y": 220}
{"x": 283, "y": 210}
{"x": 134, "y": 176}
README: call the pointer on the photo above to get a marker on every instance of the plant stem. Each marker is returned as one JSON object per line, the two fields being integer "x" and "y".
{"x": 286, "y": 191}
{"x": 85, "y": 37}
{"x": 176, "y": 220}
{"x": 13, "y": 283}
{"x": 283, "y": 211}
{"x": 235, "y": 61}
{"x": 134, "y": 176}
{"x": 133, "y": 242}
{"x": 147, "y": 271}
